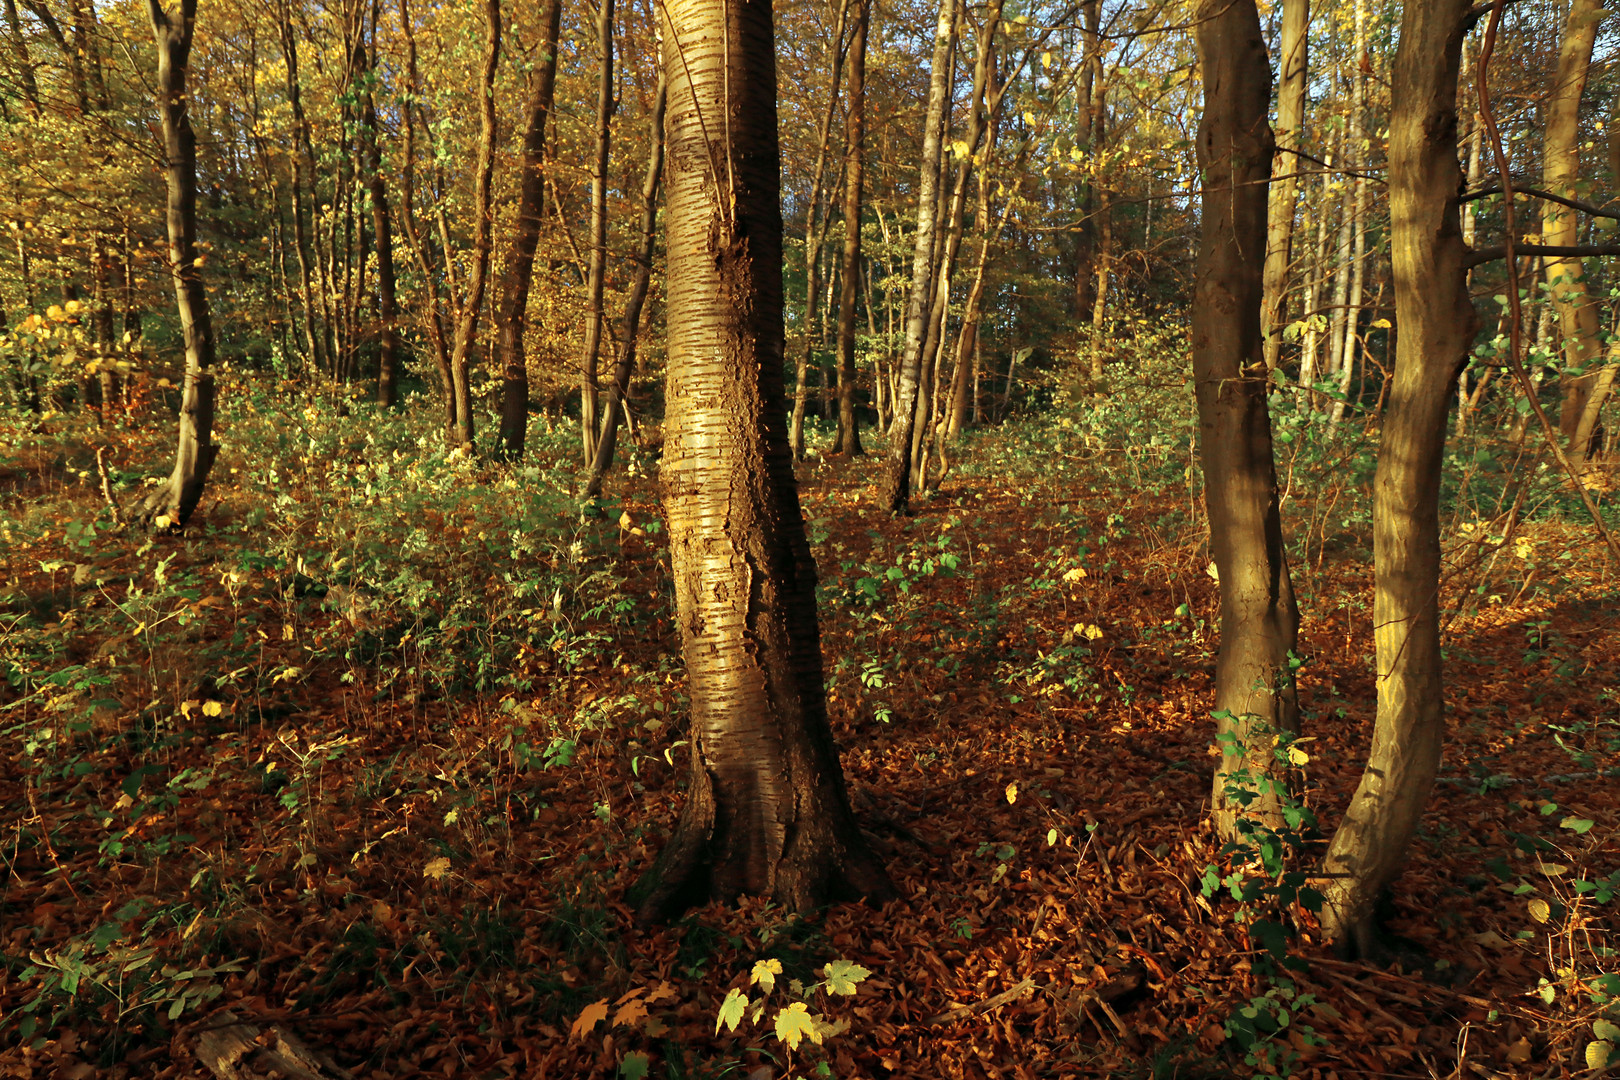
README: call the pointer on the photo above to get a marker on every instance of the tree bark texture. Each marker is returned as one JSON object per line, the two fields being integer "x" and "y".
{"x": 1291, "y": 87}
{"x": 1560, "y": 173}
{"x": 195, "y": 453}
{"x": 1254, "y": 686}
{"x": 387, "y": 279}
{"x": 766, "y": 812}
{"x": 896, "y": 488}
{"x": 848, "y": 441}
{"x": 512, "y": 314}
{"x": 1437, "y": 321}
{"x": 597, "y": 274}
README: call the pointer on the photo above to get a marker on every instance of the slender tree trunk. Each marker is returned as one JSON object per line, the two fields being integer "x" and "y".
{"x": 1560, "y": 174}
{"x": 1089, "y": 85}
{"x": 313, "y": 332}
{"x": 512, "y": 316}
{"x": 629, "y": 330}
{"x": 1344, "y": 248}
{"x": 848, "y": 441}
{"x": 195, "y": 454}
{"x": 1437, "y": 321}
{"x": 1254, "y": 684}
{"x": 1358, "y": 223}
{"x": 896, "y": 490}
{"x": 461, "y": 430}
{"x": 1291, "y": 87}
{"x": 589, "y": 421}
{"x": 25, "y": 64}
{"x": 382, "y": 226}
{"x": 766, "y": 811}
{"x": 1310, "y": 361}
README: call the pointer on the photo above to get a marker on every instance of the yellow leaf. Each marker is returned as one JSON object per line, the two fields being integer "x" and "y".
{"x": 625, "y": 520}
{"x": 1381, "y": 324}
{"x": 1077, "y": 574}
{"x": 765, "y": 973}
{"x": 1012, "y": 792}
{"x": 437, "y": 868}
{"x": 1296, "y": 756}
{"x": 1092, "y": 632}
{"x": 162, "y": 521}
{"x": 212, "y": 708}
{"x": 589, "y": 1017}
{"x": 794, "y": 1023}
{"x": 1540, "y": 910}
{"x": 1598, "y": 1053}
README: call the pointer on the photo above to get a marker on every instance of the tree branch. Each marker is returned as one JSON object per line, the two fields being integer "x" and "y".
{"x": 1562, "y": 251}
{"x": 1518, "y": 189}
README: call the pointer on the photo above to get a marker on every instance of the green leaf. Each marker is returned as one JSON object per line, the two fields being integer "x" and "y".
{"x": 1578, "y": 825}
{"x": 731, "y": 1010}
{"x": 842, "y": 977}
{"x": 635, "y": 1066}
{"x": 794, "y": 1023}
{"x": 1606, "y": 1030}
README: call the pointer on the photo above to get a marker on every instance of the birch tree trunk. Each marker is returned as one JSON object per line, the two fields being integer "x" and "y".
{"x": 766, "y": 812}
{"x": 1254, "y": 684}
{"x": 177, "y": 499}
{"x": 1437, "y": 321}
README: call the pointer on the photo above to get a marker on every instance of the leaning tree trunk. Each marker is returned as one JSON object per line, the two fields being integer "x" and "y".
{"x": 766, "y": 812}
{"x": 594, "y": 315}
{"x": 630, "y": 329}
{"x": 1437, "y": 321}
{"x": 194, "y": 457}
{"x": 896, "y": 490}
{"x": 1254, "y": 686}
{"x": 1561, "y": 175}
{"x": 1291, "y": 87}
{"x": 461, "y": 425}
{"x": 848, "y": 441}
{"x": 512, "y": 316}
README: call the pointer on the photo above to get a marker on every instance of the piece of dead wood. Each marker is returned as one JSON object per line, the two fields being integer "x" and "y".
{"x": 236, "y": 1050}
{"x": 962, "y": 1012}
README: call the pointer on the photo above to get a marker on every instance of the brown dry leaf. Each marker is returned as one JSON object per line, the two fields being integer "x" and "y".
{"x": 589, "y": 1017}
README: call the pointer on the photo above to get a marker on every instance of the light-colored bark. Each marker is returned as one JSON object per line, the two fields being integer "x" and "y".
{"x": 1436, "y": 320}
{"x": 848, "y": 441}
{"x": 595, "y": 278}
{"x": 1293, "y": 64}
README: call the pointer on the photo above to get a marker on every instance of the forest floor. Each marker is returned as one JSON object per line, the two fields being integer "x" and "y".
{"x": 372, "y": 754}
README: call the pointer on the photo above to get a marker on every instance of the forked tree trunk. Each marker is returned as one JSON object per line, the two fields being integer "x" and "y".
{"x": 513, "y": 314}
{"x": 461, "y": 425}
{"x": 630, "y": 329}
{"x": 848, "y": 441}
{"x": 1561, "y": 175}
{"x": 896, "y": 489}
{"x": 1437, "y": 321}
{"x": 766, "y": 812}
{"x": 1291, "y": 86}
{"x": 596, "y": 277}
{"x": 194, "y": 457}
{"x": 1254, "y": 686}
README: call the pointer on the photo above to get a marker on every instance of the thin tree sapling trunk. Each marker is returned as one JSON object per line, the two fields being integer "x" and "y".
{"x": 1291, "y": 87}
{"x": 848, "y": 441}
{"x": 595, "y": 317}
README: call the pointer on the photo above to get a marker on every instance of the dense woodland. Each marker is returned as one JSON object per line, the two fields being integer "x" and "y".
{"x": 826, "y": 538}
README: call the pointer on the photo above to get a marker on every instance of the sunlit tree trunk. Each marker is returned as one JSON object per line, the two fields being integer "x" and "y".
{"x": 630, "y": 327}
{"x": 512, "y": 316}
{"x": 461, "y": 427}
{"x": 1358, "y": 215}
{"x": 1437, "y": 322}
{"x": 313, "y": 324}
{"x": 766, "y": 812}
{"x": 896, "y": 488}
{"x": 1291, "y": 86}
{"x": 194, "y": 456}
{"x": 1560, "y": 174}
{"x": 596, "y": 276}
{"x": 383, "y": 230}
{"x": 1254, "y": 686}
{"x": 848, "y": 441}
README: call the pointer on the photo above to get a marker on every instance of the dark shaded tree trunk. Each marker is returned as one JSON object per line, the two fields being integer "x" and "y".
{"x": 1437, "y": 321}
{"x": 1254, "y": 687}
{"x": 766, "y": 812}
{"x": 383, "y": 229}
{"x": 314, "y": 332}
{"x": 895, "y": 492}
{"x": 595, "y": 316}
{"x": 630, "y": 329}
{"x": 519, "y": 271}
{"x": 848, "y": 441}
{"x": 194, "y": 457}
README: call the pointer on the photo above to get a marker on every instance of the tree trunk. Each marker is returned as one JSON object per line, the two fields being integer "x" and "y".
{"x": 848, "y": 441}
{"x": 896, "y": 490}
{"x": 194, "y": 456}
{"x": 1436, "y": 320}
{"x": 512, "y": 316}
{"x": 382, "y": 226}
{"x": 1089, "y": 85}
{"x": 461, "y": 428}
{"x": 314, "y": 332}
{"x": 630, "y": 328}
{"x": 1560, "y": 174}
{"x": 1291, "y": 87}
{"x": 1358, "y": 219}
{"x": 594, "y": 317}
{"x": 1254, "y": 685}
{"x": 25, "y": 64}
{"x": 766, "y": 812}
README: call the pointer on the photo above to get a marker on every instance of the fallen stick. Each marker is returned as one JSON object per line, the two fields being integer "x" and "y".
{"x": 962, "y": 1012}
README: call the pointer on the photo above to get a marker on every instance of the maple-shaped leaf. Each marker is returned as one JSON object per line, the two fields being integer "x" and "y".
{"x": 436, "y": 868}
{"x": 765, "y": 973}
{"x": 731, "y": 1010}
{"x": 842, "y": 977}
{"x": 635, "y": 1066}
{"x": 629, "y": 1014}
{"x": 795, "y": 1023}
{"x": 589, "y": 1017}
